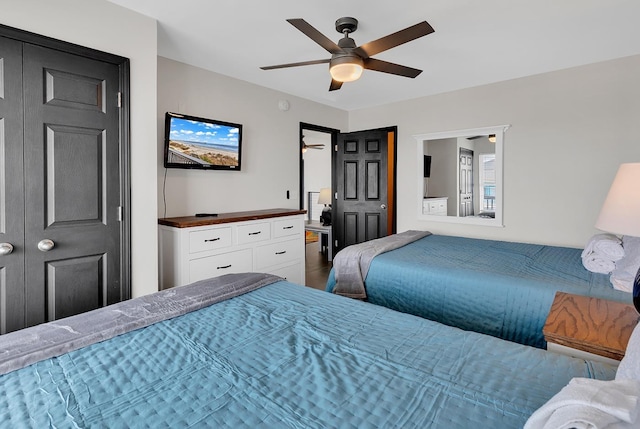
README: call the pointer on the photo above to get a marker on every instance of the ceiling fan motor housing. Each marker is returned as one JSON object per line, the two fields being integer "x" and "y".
{"x": 347, "y": 24}
{"x": 346, "y": 57}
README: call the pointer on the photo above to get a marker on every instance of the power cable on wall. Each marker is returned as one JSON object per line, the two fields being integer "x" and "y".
{"x": 164, "y": 193}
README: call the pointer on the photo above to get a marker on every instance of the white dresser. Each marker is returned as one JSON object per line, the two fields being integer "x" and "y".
{"x": 436, "y": 206}
{"x": 195, "y": 248}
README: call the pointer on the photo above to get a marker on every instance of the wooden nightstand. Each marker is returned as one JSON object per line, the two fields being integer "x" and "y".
{"x": 590, "y": 328}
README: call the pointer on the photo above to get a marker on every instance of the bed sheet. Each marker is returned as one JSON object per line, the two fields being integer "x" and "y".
{"x": 503, "y": 289}
{"x": 287, "y": 356}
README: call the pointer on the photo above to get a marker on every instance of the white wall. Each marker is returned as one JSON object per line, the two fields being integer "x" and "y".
{"x": 104, "y": 26}
{"x": 444, "y": 177}
{"x": 569, "y": 132}
{"x": 271, "y": 146}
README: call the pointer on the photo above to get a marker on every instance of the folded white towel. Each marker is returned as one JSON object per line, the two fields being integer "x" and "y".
{"x": 598, "y": 264}
{"x": 608, "y": 246}
{"x": 626, "y": 269}
{"x": 629, "y": 368}
{"x": 593, "y": 404}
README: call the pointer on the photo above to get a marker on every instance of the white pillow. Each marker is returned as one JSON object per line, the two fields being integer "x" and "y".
{"x": 630, "y": 365}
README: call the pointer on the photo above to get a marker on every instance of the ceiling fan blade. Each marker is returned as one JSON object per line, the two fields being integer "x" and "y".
{"x": 335, "y": 85}
{"x": 319, "y": 145}
{"x": 392, "y": 40}
{"x": 315, "y": 35}
{"x": 391, "y": 68}
{"x": 303, "y": 63}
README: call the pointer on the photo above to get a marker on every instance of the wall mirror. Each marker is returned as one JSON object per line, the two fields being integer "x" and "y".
{"x": 460, "y": 176}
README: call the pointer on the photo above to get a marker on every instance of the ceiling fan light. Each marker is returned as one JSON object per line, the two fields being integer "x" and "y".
{"x": 346, "y": 69}
{"x": 492, "y": 138}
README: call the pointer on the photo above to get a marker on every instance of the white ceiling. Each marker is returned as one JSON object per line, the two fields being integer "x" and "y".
{"x": 475, "y": 42}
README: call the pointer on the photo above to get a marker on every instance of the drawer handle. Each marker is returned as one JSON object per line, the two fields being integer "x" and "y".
{"x": 224, "y": 267}
{"x": 255, "y": 233}
{"x": 287, "y": 227}
{"x": 212, "y": 239}
{"x": 281, "y": 253}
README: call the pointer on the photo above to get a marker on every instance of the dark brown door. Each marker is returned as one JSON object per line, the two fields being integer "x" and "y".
{"x": 11, "y": 188}
{"x": 364, "y": 182}
{"x": 62, "y": 184}
{"x": 466, "y": 182}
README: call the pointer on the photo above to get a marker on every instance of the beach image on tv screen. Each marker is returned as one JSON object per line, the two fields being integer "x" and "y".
{"x": 204, "y": 143}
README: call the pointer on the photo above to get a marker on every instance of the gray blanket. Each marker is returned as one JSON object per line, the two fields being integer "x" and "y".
{"x": 351, "y": 264}
{"x": 27, "y": 346}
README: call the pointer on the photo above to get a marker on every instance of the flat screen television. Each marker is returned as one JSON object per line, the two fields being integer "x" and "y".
{"x": 199, "y": 143}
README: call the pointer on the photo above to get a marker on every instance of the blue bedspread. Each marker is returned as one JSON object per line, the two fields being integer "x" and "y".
{"x": 498, "y": 288}
{"x": 286, "y": 356}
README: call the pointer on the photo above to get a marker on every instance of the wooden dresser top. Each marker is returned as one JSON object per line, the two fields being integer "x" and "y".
{"x": 191, "y": 221}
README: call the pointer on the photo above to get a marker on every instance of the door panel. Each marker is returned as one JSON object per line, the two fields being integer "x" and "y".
{"x": 351, "y": 180}
{"x": 362, "y": 180}
{"x": 372, "y": 191}
{"x": 11, "y": 186}
{"x": 72, "y": 184}
{"x": 75, "y": 285}
{"x": 74, "y": 91}
{"x": 466, "y": 183}
{"x": 373, "y": 226}
{"x": 350, "y": 228}
{"x": 75, "y": 176}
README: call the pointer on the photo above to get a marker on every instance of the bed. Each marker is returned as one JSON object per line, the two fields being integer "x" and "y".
{"x": 254, "y": 351}
{"x": 499, "y": 288}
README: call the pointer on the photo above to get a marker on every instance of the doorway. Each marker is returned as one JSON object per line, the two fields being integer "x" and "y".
{"x": 316, "y": 143}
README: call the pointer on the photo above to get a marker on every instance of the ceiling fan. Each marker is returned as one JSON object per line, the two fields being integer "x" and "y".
{"x": 311, "y": 146}
{"x": 348, "y": 61}
{"x": 490, "y": 137}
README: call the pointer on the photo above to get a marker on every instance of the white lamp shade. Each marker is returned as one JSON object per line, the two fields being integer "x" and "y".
{"x": 325, "y": 196}
{"x": 620, "y": 212}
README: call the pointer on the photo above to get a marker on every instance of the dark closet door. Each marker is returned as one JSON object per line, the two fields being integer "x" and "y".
{"x": 11, "y": 188}
{"x": 72, "y": 173}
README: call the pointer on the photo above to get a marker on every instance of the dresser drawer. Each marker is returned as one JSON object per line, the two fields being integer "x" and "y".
{"x": 287, "y": 227}
{"x": 209, "y": 239}
{"x": 435, "y": 206}
{"x": 277, "y": 253}
{"x": 213, "y": 266}
{"x": 254, "y": 232}
{"x": 290, "y": 273}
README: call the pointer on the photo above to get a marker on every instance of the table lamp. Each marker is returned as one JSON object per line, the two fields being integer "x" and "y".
{"x": 620, "y": 212}
{"x": 325, "y": 198}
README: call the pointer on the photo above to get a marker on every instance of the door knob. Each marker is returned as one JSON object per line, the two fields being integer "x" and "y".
{"x": 45, "y": 245}
{"x": 5, "y": 248}
{"x": 383, "y": 206}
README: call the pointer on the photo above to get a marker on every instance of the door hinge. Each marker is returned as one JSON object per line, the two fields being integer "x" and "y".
{"x": 335, "y": 243}
{"x": 335, "y": 148}
{"x": 119, "y": 99}
{"x": 119, "y": 213}
{"x": 335, "y": 196}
